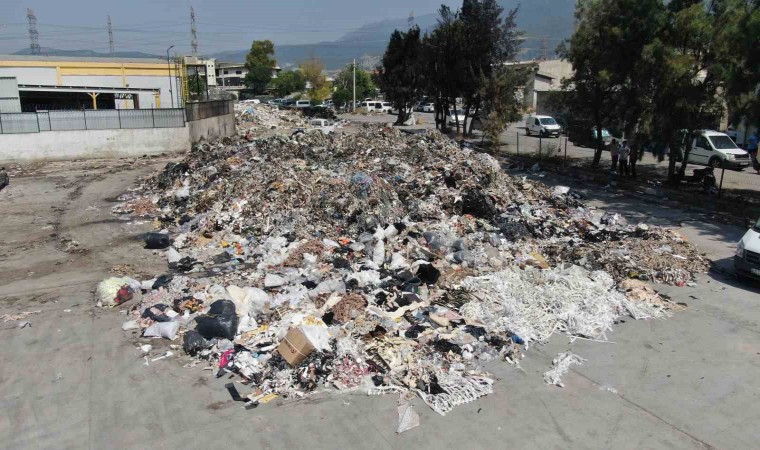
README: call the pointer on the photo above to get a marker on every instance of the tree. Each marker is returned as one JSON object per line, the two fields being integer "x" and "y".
{"x": 611, "y": 53}
{"x": 400, "y": 75}
{"x": 288, "y": 82}
{"x": 259, "y": 62}
{"x": 344, "y": 86}
{"x": 313, "y": 72}
{"x": 500, "y": 103}
{"x": 490, "y": 38}
{"x": 442, "y": 54}
{"x": 743, "y": 68}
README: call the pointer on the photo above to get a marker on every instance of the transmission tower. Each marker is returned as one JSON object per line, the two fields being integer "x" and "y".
{"x": 411, "y": 20}
{"x": 194, "y": 32}
{"x": 34, "y": 36}
{"x": 110, "y": 35}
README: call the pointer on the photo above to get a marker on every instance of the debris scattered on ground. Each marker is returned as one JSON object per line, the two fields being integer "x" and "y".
{"x": 16, "y": 317}
{"x": 560, "y": 365}
{"x": 381, "y": 262}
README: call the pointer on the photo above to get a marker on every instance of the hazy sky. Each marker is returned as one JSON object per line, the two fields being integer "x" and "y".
{"x": 152, "y": 25}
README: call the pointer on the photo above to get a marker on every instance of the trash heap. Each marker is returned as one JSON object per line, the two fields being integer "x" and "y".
{"x": 252, "y": 118}
{"x": 381, "y": 262}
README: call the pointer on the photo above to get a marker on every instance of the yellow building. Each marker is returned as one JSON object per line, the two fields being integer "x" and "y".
{"x": 57, "y": 82}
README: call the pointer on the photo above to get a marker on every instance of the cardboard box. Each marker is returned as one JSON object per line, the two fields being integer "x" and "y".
{"x": 295, "y": 347}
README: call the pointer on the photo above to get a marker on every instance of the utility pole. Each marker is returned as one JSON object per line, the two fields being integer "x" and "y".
{"x": 34, "y": 36}
{"x": 169, "y": 66}
{"x": 110, "y": 35}
{"x": 353, "y": 105}
{"x": 545, "y": 48}
{"x": 193, "y": 32}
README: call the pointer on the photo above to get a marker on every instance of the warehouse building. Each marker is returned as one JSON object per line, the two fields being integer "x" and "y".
{"x": 66, "y": 83}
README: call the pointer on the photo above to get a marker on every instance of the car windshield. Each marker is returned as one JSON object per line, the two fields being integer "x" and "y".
{"x": 722, "y": 142}
{"x": 548, "y": 121}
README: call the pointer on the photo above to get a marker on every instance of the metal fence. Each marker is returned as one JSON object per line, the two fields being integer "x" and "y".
{"x": 204, "y": 110}
{"x": 109, "y": 119}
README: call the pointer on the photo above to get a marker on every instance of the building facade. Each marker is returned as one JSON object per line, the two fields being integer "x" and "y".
{"x": 54, "y": 83}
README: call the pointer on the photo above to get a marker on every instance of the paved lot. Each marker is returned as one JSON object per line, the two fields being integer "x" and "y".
{"x": 74, "y": 380}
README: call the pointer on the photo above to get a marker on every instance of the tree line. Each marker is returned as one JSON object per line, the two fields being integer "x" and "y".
{"x": 661, "y": 70}
{"x": 259, "y": 79}
{"x": 459, "y": 65}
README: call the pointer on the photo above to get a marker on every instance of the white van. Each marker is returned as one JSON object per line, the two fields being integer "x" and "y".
{"x": 717, "y": 150}
{"x": 747, "y": 257}
{"x": 544, "y": 126}
{"x": 376, "y": 106}
{"x": 303, "y": 104}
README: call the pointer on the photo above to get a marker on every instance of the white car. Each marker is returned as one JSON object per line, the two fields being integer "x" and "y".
{"x": 747, "y": 257}
{"x": 455, "y": 115}
{"x": 303, "y": 104}
{"x": 544, "y": 126}
{"x": 717, "y": 150}
{"x": 428, "y": 107}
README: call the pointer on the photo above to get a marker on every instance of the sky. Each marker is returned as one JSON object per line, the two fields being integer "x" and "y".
{"x": 153, "y": 25}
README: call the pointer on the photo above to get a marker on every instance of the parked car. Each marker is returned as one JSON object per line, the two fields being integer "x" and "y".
{"x": 455, "y": 115}
{"x": 428, "y": 107}
{"x": 715, "y": 149}
{"x": 303, "y": 104}
{"x": 581, "y": 134}
{"x": 747, "y": 256}
{"x": 544, "y": 126}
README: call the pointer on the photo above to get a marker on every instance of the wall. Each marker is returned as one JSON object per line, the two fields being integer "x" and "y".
{"x": 212, "y": 128}
{"x": 63, "y": 145}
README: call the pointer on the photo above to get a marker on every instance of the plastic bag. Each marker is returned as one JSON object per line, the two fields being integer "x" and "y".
{"x": 194, "y": 342}
{"x": 221, "y": 321}
{"x": 166, "y": 330}
{"x": 157, "y": 241}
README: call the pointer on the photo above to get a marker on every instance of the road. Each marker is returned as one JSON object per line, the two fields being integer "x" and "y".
{"x": 75, "y": 380}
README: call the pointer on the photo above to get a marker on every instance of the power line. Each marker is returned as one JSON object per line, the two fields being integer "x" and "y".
{"x": 34, "y": 36}
{"x": 194, "y": 32}
{"x": 110, "y": 35}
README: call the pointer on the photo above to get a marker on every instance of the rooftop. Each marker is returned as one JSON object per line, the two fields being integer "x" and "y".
{"x": 80, "y": 59}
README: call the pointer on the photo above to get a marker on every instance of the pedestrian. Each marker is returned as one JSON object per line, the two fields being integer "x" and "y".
{"x": 4, "y": 180}
{"x": 637, "y": 152}
{"x": 625, "y": 151}
{"x": 752, "y": 150}
{"x": 615, "y": 154}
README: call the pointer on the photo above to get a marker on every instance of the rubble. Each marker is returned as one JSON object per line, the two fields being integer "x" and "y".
{"x": 382, "y": 262}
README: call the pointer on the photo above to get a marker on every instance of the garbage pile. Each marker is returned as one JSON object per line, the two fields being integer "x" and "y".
{"x": 380, "y": 261}
{"x": 252, "y": 118}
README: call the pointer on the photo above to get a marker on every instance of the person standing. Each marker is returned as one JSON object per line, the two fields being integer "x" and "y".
{"x": 637, "y": 152}
{"x": 625, "y": 151}
{"x": 615, "y": 154}
{"x": 752, "y": 150}
{"x": 4, "y": 179}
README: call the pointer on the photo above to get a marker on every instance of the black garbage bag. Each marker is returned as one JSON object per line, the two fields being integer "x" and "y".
{"x": 157, "y": 241}
{"x": 162, "y": 281}
{"x": 220, "y": 322}
{"x": 194, "y": 342}
{"x": 479, "y": 204}
{"x": 184, "y": 265}
{"x": 157, "y": 313}
{"x": 428, "y": 273}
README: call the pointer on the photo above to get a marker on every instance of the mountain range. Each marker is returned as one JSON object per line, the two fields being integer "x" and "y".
{"x": 545, "y": 23}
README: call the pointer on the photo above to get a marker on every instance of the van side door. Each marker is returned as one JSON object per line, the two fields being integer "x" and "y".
{"x": 700, "y": 151}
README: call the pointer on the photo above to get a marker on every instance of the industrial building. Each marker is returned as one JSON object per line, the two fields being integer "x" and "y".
{"x": 66, "y": 83}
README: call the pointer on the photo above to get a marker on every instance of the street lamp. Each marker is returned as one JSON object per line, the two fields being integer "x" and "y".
{"x": 169, "y": 66}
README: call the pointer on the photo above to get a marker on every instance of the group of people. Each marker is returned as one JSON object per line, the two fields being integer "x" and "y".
{"x": 624, "y": 156}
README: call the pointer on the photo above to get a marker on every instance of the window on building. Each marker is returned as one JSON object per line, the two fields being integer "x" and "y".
{"x": 238, "y": 72}
{"x": 226, "y": 72}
